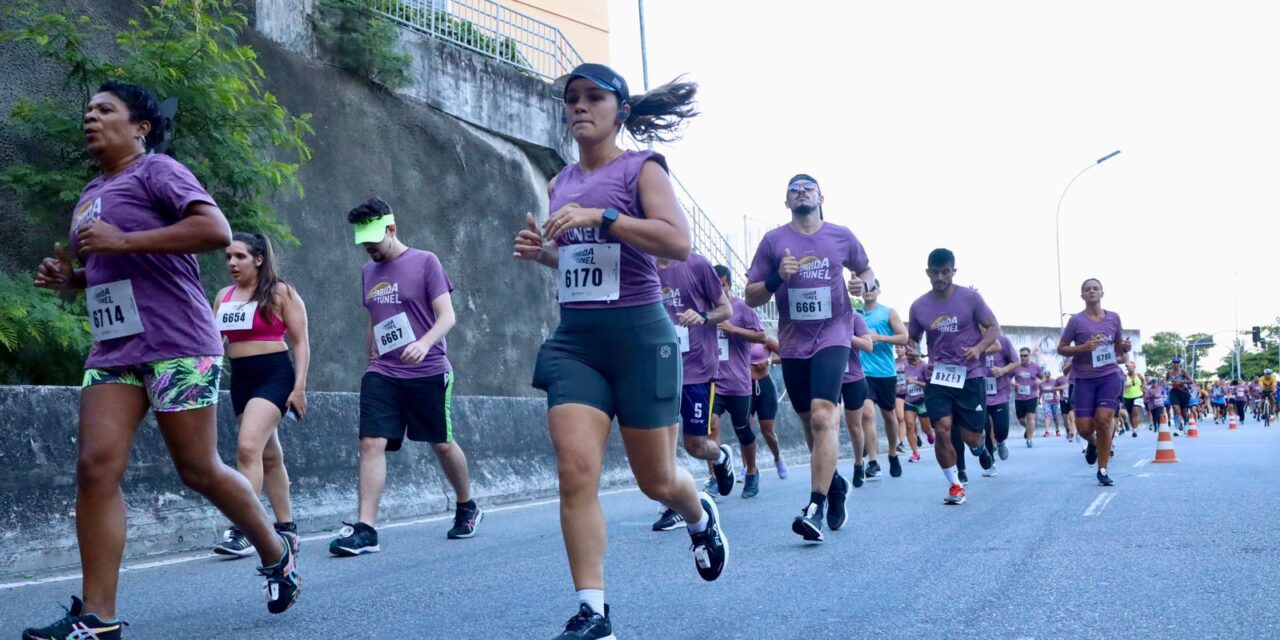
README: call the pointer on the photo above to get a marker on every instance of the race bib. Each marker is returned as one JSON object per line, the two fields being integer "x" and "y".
{"x": 590, "y": 272}
{"x": 991, "y": 386}
{"x": 682, "y": 338}
{"x": 902, "y": 379}
{"x": 1104, "y": 355}
{"x": 810, "y": 304}
{"x": 393, "y": 333}
{"x": 1239, "y": 393}
{"x": 914, "y": 390}
{"x": 1048, "y": 397}
{"x": 722, "y": 347}
{"x": 1024, "y": 389}
{"x": 236, "y": 316}
{"x": 113, "y": 312}
{"x": 949, "y": 375}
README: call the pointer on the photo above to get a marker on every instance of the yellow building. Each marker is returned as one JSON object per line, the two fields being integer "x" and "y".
{"x": 585, "y": 23}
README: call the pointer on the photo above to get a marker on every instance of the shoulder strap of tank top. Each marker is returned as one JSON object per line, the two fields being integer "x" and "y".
{"x": 230, "y": 292}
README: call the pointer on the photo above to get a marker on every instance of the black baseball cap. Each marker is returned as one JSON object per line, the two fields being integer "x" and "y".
{"x": 801, "y": 176}
{"x": 603, "y": 76}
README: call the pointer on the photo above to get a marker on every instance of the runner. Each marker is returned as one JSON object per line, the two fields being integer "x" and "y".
{"x": 1239, "y": 397}
{"x": 1154, "y": 399}
{"x": 407, "y": 388}
{"x": 734, "y": 339}
{"x": 695, "y": 302}
{"x": 1179, "y": 382}
{"x": 254, "y": 315}
{"x": 136, "y": 231}
{"x": 887, "y": 332}
{"x": 1193, "y": 400}
{"x": 1133, "y": 384}
{"x": 915, "y": 377}
{"x": 853, "y": 391}
{"x": 1026, "y": 384}
{"x": 802, "y": 262}
{"x": 1001, "y": 362}
{"x": 764, "y": 398}
{"x": 1095, "y": 340}
{"x": 603, "y": 242}
{"x": 900, "y": 393}
{"x": 1218, "y": 398}
{"x": 1051, "y": 403}
{"x": 1066, "y": 390}
{"x": 959, "y": 327}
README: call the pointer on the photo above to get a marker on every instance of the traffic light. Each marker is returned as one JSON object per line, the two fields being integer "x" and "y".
{"x": 1257, "y": 335}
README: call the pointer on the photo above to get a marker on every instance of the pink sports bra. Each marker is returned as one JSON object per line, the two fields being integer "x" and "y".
{"x": 262, "y": 331}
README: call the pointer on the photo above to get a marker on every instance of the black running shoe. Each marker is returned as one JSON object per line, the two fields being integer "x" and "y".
{"x": 283, "y": 585}
{"x": 895, "y": 467}
{"x": 857, "y": 476}
{"x": 985, "y": 460}
{"x": 465, "y": 520}
{"x": 873, "y": 470}
{"x": 710, "y": 547}
{"x": 964, "y": 478}
{"x": 234, "y": 543}
{"x": 751, "y": 486}
{"x": 1091, "y": 453}
{"x": 588, "y": 625}
{"x": 1105, "y": 480}
{"x": 809, "y": 523}
{"x": 724, "y": 472}
{"x": 837, "y": 499}
{"x": 77, "y": 624}
{"x": 355, "y": 539}
{"x": 668, "y": 521}
{"x": 290, "y": 531}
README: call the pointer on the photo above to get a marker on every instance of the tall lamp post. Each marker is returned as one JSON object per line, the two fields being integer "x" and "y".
{"x": 1057, "y": 233}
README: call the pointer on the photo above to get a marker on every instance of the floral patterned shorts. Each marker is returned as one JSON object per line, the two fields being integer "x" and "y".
{"x": 177, "y": 384}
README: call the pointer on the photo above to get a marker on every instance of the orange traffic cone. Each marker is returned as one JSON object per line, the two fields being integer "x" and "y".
{"x": 1232, "y": 425}
{"x": 1192, "y": 432}
{"x": 1164, "y": 444}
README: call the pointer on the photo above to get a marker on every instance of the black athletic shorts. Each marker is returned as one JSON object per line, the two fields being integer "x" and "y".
{"x": 268, "y": 376}
{"x": 421, "y": 407}
{"x": 1064, "y": 405}
{"x": 883, "y": 392}
{"x": 1179, "y": 398}
{"x": 1025, "y": 408}
{"x": 739, "y": 408}
{"x": 764, "y": 398}
{"x": 1128, "y": 403}
{"x": 813, "y": 378}
{"x": 697, "y": 401}
{"x": 854, "y": 394}
{"x": 966, "y": 407}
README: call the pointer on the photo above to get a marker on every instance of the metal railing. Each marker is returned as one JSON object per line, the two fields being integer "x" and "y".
{"x": 490, "y": 29}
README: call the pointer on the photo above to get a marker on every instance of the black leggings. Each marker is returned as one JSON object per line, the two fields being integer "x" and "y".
{"x": 958, "y": 443}
{"x": 1000, "y": 420}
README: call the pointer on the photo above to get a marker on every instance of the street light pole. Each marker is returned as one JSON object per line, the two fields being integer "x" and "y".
{"x": 1057, "y": 234}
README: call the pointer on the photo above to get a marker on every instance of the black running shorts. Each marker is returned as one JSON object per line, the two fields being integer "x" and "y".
{"x": 421, "y": 407}
{"x": 813, "y": 378}
{"x": 966, "y": 407}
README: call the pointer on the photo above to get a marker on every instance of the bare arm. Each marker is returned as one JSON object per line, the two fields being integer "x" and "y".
{"x": 722, "y": 312}
{"x": 899, "y": 336}
{"x": 750, "y": 335}
{"x": 204, "y": 228}
{"x": 757, "y": 295}
{"x": 295, "y": 323}
{"x": 863, "y": 343}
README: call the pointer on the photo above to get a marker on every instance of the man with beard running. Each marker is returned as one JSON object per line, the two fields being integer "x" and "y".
{"x": 1026, "y": 388}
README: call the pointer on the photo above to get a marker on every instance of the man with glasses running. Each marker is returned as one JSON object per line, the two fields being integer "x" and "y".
{"x": 1026, "y": 387}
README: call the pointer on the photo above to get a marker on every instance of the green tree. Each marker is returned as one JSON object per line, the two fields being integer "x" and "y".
{"x": 1162, "y": 348}
{"x": 360, "y": 41}
{"x": 1254, "y": 358}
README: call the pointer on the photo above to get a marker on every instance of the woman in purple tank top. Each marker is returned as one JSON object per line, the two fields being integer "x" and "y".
{"x": 615, "y": 353}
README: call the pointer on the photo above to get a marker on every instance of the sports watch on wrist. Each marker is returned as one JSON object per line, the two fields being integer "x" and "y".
{"x": 609, "y": 217}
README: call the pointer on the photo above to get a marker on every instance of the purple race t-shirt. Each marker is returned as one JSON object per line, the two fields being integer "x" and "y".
{"x": 176, "y": 320}
{"x": 813, "y": 306}
{"x": 951, "y": 324}
{"x": 1001, "y": 358}
{"x": 405, "y": 285}
{"x": 1079, "y": 330}
{"x": 693, "y": 285}
{"x": 733, "y": 378}
{"x": 613, "y": 185}
{"x": 853, "y": 370}
{"x": 1025, "y": 379}
{"x": 1049, "y": 391}
{"x": 917, "y": 376}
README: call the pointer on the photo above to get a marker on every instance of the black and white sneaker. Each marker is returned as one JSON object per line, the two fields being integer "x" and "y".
{"x": 234, "y": 543}
{"x": 710, "y": 547}
{"x": 466, "y": 518}
{"x": 895, "y": 467}
{"x": 77, "y": 624}
{"x": 724, "y": 472}
{"x": 1090, "y": 453}
{"x": 873, "y": 470}
{"x": 837, "y": 503}
{"x": 858, "y": 474}
{"x": 808, "y": 524}
{"x": 588, "y": 625}
{"x": 283, "y": 584}
{"x": 290, "y": 532}
{"x": 668, "y": 521}
{"x": 964, "y": 478}
{"x": 355, "y": 539}
{"x": 902, "y": 448}
{"x": 985, "y": 460}
{"x": 1104, "y": 479}
{"x": 751, "y": 485}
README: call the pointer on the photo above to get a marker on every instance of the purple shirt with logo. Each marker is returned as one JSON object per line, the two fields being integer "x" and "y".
{"x": 918, "y": 372}
{"x": 853, "y": 371}
{"x": 694, "y": 285}
{"x": 613, "y": 185}
{"x": 1001, "y": 358}
{"x": 951, "y": 324}
{"x": 1026, "y": 378}
{"x": 406, "y": 284}
{"x": 823, "y": 257}
{"x": 734, "y": 375}
{"x": 155, "y": 191}
{"x": 1079, "y": 330}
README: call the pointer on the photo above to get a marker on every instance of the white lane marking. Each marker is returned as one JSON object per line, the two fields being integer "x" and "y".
{"x": 1144, "y": 475}
{"x": 1100, "y": 503}
{"x": 1140, "y": 463}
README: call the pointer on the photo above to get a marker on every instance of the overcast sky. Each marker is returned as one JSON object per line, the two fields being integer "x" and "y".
{"x": 958, "y": 124}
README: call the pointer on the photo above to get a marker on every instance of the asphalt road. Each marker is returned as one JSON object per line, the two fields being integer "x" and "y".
{"x": 1188, "y": 550}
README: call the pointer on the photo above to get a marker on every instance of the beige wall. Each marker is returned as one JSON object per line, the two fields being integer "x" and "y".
{"x": 584, "y": 22}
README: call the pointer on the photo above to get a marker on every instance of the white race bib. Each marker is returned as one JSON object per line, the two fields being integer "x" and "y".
{"x": 991, "y": 386}
{"x": 902, "y": 379}
{"x": 1104, "y": 355}
{"x": 1239, "y": 393}
{"x": 393, "y": 333}
{"x": 590, "y": 272}
{"x": 236, "y": 316}
{"x": 949, "y": 375}
{"x": 914, "y": 390}
{"x": 113, "y": 312}
{"x": 722, "y": 347}
{"x": 682, "y": 338}
{"x": 1024, "y": 389}
{"x": 810, "y": 304}
{"x": 1048, "y": 397}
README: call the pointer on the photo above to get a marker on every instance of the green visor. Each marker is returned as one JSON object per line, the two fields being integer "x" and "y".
{"x": 374, "y": 230}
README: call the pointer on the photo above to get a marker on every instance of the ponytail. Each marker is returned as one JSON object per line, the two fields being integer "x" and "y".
{"x": 658, "y": 116}
{"x": 264, "y": 294}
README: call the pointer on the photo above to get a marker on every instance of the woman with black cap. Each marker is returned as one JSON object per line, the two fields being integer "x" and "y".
{"x": 615, "y": 353}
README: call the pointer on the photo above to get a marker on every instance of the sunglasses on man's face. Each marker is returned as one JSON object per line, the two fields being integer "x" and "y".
{"x": 802, "y": 186}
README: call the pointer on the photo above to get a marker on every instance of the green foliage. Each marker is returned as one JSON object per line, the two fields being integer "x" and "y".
{"x": 360, "y": 41}
{"x": 1253, "y": 358}
{"x": 43, "y": 340}
{"x": 1162, "y": 348}
{"x": 446, "y": 25}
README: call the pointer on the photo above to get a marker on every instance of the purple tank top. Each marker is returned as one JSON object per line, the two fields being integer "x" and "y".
{"x": 614, "y": 185}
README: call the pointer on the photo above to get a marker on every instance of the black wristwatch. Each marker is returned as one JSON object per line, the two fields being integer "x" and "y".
{"x": 704, "y": 315}
{"x": 609, "y": 217}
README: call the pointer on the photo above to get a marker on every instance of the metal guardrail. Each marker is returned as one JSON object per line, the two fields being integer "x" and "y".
{"x": 490, "y": 29}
